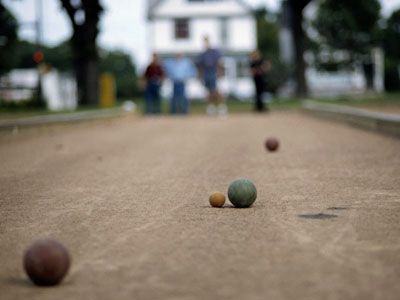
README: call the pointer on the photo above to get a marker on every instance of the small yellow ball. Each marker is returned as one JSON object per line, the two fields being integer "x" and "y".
{"x": 217, "y": 199}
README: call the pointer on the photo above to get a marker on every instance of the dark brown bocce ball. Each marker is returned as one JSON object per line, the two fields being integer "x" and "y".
{"x": 46, "y": 262}
{"x": 272, "y": 144}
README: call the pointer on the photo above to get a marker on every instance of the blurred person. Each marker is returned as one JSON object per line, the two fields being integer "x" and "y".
{"x": 153, "y": 76}
{"x": 179, "y": 70}
{"x": 210, "y": 69}
{"x": 259, "y": 68}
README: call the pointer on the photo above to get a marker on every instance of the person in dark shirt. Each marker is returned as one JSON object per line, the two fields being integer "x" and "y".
{"x": 259, "y": 68}
{"x": 153, "y": 76}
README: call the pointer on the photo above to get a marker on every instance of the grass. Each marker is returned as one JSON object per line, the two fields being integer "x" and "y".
{"x": 389, "y": 103}
{"x": 26, "y": 111}
{"x": 235, "y": 106}
{"x": 364, "y": 100}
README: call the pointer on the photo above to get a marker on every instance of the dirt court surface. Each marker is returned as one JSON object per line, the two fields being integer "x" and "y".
{"x": 129, "y": 198}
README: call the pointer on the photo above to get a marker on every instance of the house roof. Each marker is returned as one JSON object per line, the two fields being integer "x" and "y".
{"x": 152, "y": 5}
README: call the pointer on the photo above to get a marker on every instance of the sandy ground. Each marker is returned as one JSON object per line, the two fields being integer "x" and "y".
{"x": 129, "y": 198}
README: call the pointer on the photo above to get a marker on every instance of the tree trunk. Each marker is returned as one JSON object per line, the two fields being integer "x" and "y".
{"x": 85, "y": 58}
{"x": 86, "y": 71}
{"x": 84, "y": 48}
{"x": 298, "y": 38}
{"x": 368, "y": 68}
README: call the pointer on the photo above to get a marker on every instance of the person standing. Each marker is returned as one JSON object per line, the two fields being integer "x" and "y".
{"x": 153, "y": 76}
{"x": 179, "y": 70}
{"x": 210, "y": 69}
{"x": 259, "y": 68}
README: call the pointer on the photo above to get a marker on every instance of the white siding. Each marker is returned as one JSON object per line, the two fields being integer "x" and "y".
{"x": 242, "y": 34}
{"x": 160, "y": 35}
{"x": 164, "y": 35}
{"x": 183, "y": 8}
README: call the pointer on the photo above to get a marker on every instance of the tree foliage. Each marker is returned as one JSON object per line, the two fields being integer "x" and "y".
{"x": 120, "y": 65}
{"x": 8, "y": 39}
{"x": 350, "y": 25}
{"x": 59, "y": 57}
{"x": 391, "y": 44}
{"x": 391, "y": 34}
{"x": 267, "y": 32}
{"x": 268, "y": 44}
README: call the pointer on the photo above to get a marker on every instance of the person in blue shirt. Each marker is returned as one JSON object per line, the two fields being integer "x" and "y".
{"x": 179, "y": 70}
{"x": 209, "y": 63}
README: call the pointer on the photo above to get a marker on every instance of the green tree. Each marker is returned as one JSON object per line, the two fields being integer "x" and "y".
{"x": 391, "y": 44}
{"x": 59, "y": 56}
{"x": 391, "y": 34}
{"x": 24, "y": 55}
{"x": 267, "y": 32}
{"x": 350, "y": 25}
{"x": 8, "y": 39}
{"x": 268, "y": 44}
{"x": 120, "y": 65}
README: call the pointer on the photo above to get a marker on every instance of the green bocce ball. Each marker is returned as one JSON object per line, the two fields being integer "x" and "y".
{"x": 242, "y": 193}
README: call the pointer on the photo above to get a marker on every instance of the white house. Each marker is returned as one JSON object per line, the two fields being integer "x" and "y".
{"x": 180, "y": 26}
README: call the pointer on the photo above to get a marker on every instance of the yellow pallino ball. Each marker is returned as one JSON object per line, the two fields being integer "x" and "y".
{"x": 217, "y": 199}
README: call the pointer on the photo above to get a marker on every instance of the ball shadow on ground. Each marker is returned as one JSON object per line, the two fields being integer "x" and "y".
{"x": 18, "y": 281}
{"x": 338, "y": 208}
{"x": 319, "y": 216}
{"x": 25, "y": 282}
{"x": 229, "y": 206}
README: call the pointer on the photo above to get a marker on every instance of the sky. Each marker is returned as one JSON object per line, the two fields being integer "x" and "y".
{"x": 123, "y": 25}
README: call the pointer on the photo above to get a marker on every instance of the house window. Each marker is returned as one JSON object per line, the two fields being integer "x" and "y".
{"x": 181, "y": 28}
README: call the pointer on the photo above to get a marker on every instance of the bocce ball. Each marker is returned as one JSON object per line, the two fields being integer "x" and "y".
{"x": 242, "y": 193}
{"x": 272, "y": 144}
{"x": 46, "y": 262}
{"x": 217, "y": 199}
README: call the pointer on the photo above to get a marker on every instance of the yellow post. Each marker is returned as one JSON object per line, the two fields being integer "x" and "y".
{"x": 107, "y": 90}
